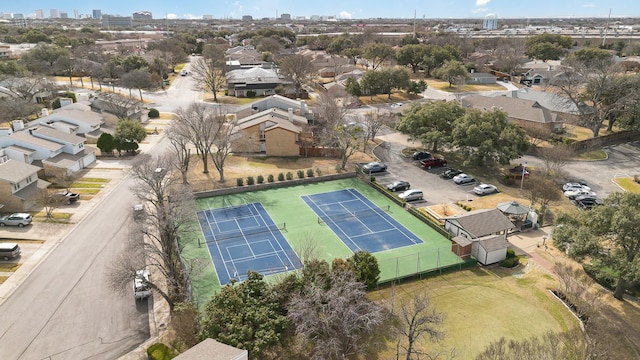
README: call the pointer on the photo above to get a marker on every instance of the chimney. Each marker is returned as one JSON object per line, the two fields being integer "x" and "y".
{"x": 17, "y": 125}
{"x": 290, "y": 110}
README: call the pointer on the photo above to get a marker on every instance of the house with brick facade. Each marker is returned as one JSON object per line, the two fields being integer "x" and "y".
{"x": 273, "y": 132}
{"x": 20, "y": 187}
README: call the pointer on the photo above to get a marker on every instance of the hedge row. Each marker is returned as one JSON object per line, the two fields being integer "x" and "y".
{"x": 281, "y": 177}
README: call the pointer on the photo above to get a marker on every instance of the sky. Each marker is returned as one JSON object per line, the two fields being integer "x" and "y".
{"x": 342, "y": 9}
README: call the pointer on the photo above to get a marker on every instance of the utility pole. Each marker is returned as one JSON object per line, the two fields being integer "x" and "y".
{"x": 414, "y": 23}
{"x": 606, "y": 28}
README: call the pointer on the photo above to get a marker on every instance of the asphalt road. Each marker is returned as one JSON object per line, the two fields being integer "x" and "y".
{"x": 65, "y": 308}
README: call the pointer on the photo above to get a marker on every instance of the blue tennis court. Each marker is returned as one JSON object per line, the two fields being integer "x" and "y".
{"x": 242, "y": 238}
{"x": 358, "y": 222}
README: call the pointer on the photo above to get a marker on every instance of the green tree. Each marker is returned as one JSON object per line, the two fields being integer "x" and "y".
{"x": 352, "y": 86}
{"x": 609, "y": 233}
{"x": 412, "y": 55}
{"x": 488, "y": 137}
{"x": 106, "y": 143}
{"x": 437, "y": 55}
{"x": 547, "y": 46}
{"x": 133, "y": 62}
{"x": 352, "y": 53}
{"x": 129, "y": 133}
{"x": 377, "y": 54}
{"x": 450, "y": 71}
{"x": 246, "y": 315}
{"x": 42, "y": 58}
{"x": 137, "y": 79}
{"x": 417, "y": 87}
{"x": 431, "y": 123}
{"x": 366, "y": 268}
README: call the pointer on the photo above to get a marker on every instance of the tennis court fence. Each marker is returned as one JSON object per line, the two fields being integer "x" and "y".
{"x": 349, "y": 215}
{"x": 244, "y": 233}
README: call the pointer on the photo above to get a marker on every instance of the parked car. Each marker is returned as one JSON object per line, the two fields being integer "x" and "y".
{"x": 484, "y": 189}
{"x": 411, "y": 195}
{"x": 450, "y": 173}
{"x": 374, "y": 167}
{"x": 575, "y": 186}
{"x": 184, "y": 72}
{"x": 17, "y": 219}
{"x": 572, "y": 194}
{"x": 587, "y": 202}
{"x": 399, "y": 186}
{"x": 463, "y": 179}
{"x": 141, "y": 287}
{"x": 420, "y": 155}
{"x": 433, "y": 162}
{"x": 9, "y": 251}
{"x": 66, "y": 197}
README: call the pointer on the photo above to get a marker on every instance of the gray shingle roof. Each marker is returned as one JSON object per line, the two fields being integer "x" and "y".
{"x": 520, "y": 109}
{"x": 14, "y": 171}
{"x": 483, "y": 222}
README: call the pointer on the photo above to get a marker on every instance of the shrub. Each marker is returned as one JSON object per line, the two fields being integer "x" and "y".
{"x": 250, "y": 180}
{"x": 511, "y": 253}
{"x": 510, "y": 262}
{"x": 160, "y": 351}
{"x": 270, "y": 178}
{"x": 251, "y": 93}
{"x": 289, "y": 175}
{"x": 260, "y": 179}
{"x": 154, "y": 113}
{"x": 239, "y": 181}
{"x": 281, "y": 177}
{"x": 310, "y": 173}
{"x": 300, "y": 174}
{"x": 318, "y": 172}
{"x": 602, "y": 274}
{"x": 372, "y": 178}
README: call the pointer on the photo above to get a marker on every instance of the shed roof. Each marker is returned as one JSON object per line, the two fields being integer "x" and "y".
{"x": 213, "y": 350}
{"x": 479, "y": 223}
{"x": 493, "y": 243}
{"x": 15, "y": 171}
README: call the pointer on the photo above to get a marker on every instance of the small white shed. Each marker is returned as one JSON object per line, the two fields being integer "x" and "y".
{"x": 490, "y": 249}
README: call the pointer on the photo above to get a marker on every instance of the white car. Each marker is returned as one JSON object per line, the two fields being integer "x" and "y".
{"x": 141, "y": 289}
{"x": 411, "y": 195}
{"x": 575, "y": 186}
{"x": 463, "y": 179}
{"x": 484, "y": 189}
{"x": 572, "y": 194}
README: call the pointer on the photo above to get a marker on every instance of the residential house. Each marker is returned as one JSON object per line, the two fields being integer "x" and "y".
{"x": 76, "y": 118}
{"x": 210, "y": 349}
{"x": 57, "y": 151}
{"x": 487, "y": 230}
{"x": 275, "y": 101}
{"x": 20, "y": 187}
{"x": 131, "y": 109}
{"x": 527, "y": 114}
{"x": 262, "y": 82}
{"x": 537, "y": 73}
{"x": 481, "y": 78}
{"x": 274, "y": 132}
{"x": 554, "y": 102}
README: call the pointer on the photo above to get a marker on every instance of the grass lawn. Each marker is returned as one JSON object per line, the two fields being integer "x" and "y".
{"x": 482, "y": 305}
{"x": 628, "y": 184}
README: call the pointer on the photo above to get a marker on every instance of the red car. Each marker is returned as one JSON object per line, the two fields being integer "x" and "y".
{"x": 433, "y": 162}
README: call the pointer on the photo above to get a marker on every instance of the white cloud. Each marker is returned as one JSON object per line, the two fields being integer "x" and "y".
{"x": 191, "y": 16}
{"x": 172, "y": 16}
{"x": 482, "y": 2}
{"x": 345, "y": 15}
{"x": 479, "y": 10}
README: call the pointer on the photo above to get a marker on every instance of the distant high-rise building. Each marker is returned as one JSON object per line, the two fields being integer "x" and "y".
{"x": 285, "y": 17}
{"x": 247, "y": 18}
{"x": 490, "y": 22}
{"x": 142, "y": 15}
{"x": 97, "y": 14}
{"x": 207, "y": 17}
{"x": 64, "y": 15}
{"x": 315, "y": 18}
{"x": 54, "y": 13}
{"x": 18, "y": 16}
{"x": 39, "y": 14}
{"x": 75, "y": 14}
{"x": 110, "y": 21}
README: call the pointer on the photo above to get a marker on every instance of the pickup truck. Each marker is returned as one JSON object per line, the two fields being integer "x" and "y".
{"x": 66, "y": 197}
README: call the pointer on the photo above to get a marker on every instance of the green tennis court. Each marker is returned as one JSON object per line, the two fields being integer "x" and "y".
{"x": 307, "y": 237}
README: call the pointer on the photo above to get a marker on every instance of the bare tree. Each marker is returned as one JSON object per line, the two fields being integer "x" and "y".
{"x": 51, "y": 202}
{"x": 417, "y": 318}
{"x": 137, "y": 79}
{"x": 336, "y": 133}
{"x": 178, "y": 135}
{"x": 336, "y": 322}
{"x": 297, "y": 69}
{"x": 16, "y": 108}
{"x": 169, "y": 211}
{"x": 30, "y": 88}
{"x": 209, "y": 70}
{"x": 222, "y": 140}
{"x": 208, "y": 130}
{"x": 543, "y": 191}
{"x": 556, "y": 157}
{"x": 538, "y": 134}
{"x": 374, "y": 121}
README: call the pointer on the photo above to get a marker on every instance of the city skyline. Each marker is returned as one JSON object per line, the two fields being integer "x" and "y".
{"x": 355, "y": 9}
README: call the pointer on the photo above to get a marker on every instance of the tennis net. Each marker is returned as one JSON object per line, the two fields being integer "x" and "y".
{"x": 244, "y": 233}
{"x": 350, "y": 215}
